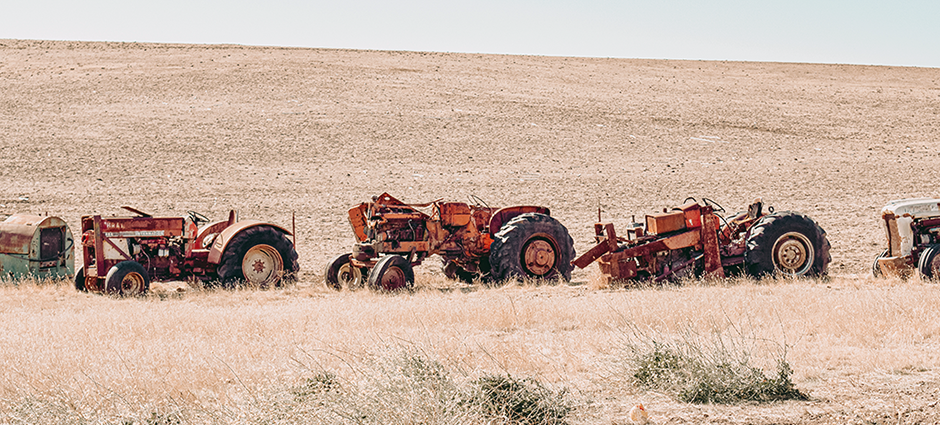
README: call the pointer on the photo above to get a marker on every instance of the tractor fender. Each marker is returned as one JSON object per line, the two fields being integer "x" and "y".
{"x": 503, "y": 215}
{"x": 221, "y": 241}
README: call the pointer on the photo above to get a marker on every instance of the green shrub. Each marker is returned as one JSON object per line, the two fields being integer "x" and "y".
{"x": 719, "y": 374}
{"x": 522, "y": 401}
{"x": 317, "y": 385}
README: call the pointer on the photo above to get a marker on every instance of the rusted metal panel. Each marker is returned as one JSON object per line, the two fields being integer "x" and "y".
{"x": 142, "y": 227}
{"x": 711, "y": 255}
{"x": 683, "y": 240}
{"x": 896, "y": 266}
{"x": 455, "y": 214}
{"x": 400, "y": 247}
{"x": 657, "y": 224}
{"x": 357, "y": 219}
{"x": 16, "y": 238}
{"x": 100, "y": 265}
{"x": 693, "y": 214}
{"x": 607, "y": 242}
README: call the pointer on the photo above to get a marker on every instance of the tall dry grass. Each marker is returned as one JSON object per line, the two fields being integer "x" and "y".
{"x": 235, "y": 357}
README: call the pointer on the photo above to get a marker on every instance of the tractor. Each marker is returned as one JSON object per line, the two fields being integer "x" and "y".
{"x": 36, "y": 246}
{"x": 475, "y": 242}
{"x": 912, "y": 228}
{"x": 122, "y": 254}
{"x": 695, "y": 240}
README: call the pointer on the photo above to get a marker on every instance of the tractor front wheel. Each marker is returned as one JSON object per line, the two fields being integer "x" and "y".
{"x": 875, "y": 267}
{"x": 80, "y": 280}
{"x": 532, "y": 245}
{"x": 392, "y": 273}
{"x": 127, "y": 279}
{"x": 787, "y": 243}
{"x": 261, "y": 257}
{"x": 340, "y": 272}
{"x": 929, "y": 263}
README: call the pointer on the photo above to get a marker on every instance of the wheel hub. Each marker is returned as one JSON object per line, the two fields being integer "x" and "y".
{"x": 539, "y": 257}
{"x": 349, "y": 276}
{"x": 262, "y": 265}
{"x": 793, "y": 254}
{"x": 393, "y": 279}
{"x": 132, "y": 284}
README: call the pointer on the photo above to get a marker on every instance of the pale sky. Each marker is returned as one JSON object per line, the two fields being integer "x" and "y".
{"x": 901, "y": 32}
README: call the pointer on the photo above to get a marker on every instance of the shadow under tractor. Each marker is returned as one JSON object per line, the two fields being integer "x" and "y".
{"x": 122, "y": 254}
{"x": 475, "y": 242}
{"x": 694, "y": 240}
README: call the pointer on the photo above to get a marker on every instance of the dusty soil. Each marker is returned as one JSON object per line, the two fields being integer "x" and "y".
{"x": 271, "y": 132}
{"x": 88, "y": 127}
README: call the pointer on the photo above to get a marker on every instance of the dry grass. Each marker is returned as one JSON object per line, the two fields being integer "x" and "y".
{"x": 221, "y": 357}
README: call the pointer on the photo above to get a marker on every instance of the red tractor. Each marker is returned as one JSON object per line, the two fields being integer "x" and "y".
{"x": 693, "y": 239}
{"x": 122, "y": 254}
{"x": 474, "y": 241}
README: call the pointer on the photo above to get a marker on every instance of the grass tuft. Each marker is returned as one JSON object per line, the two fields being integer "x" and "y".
{"x": 519, "y": 401}
{"x": 716, "y": 373}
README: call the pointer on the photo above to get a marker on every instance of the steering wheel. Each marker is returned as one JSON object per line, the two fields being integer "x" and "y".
{"x": 475, "y": 200}
{"x": 197, "y": 218}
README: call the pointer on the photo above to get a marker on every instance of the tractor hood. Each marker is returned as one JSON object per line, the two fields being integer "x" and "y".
{"x": 914, "y": 208}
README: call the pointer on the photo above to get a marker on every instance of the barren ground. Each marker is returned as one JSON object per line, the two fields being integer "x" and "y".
{"x": 271, "y": 132}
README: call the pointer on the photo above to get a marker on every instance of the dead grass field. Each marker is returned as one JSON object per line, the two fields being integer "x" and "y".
{"x": 88, "y": 127}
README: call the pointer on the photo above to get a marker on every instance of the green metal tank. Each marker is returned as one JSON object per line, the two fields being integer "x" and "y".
{"x": 36, "y": 246}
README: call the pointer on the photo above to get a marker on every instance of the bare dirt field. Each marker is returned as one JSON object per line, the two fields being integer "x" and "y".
{"x": 271, "y": 132}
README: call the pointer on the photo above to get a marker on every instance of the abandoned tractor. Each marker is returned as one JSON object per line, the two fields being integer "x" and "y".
{"x": 36, "y": 246}
{"x": 694, "y": 240}
{"x": 122, "y": 254}
{"x": 912, "y": 228}
{"x": 474, "y": 241}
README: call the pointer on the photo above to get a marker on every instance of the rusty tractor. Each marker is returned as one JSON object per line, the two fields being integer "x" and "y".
{"x": 694, "y": 240}
{"x": 36, "y": 246}
{"x": 912, "y": 228}
{"x": 122, "y": 254}
{"x": 474, "y": 241}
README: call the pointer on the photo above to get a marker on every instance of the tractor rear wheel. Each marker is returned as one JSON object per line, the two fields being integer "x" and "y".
{"x": 929, "y": 263}
{"x": 532, "y": 245}
{"x": 392, "y": 273}
{"x": 127, "y": 279}
{"x": 340, "y": 272}
{"x": 260, "y": 256}
{"x": 787, "y": 243}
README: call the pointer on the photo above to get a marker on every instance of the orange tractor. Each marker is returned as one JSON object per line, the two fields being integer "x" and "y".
{"x": 474, "y": 241}
{"x": 693, "y": 239}
{"x": 121, "y": 254}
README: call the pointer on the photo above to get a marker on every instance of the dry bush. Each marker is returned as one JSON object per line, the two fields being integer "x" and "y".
{"x": 716, "y": 368}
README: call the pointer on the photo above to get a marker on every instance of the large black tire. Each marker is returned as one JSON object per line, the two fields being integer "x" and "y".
{"x": 875, "y": 268}
{"x": 127, "y": 279}
{"x": 929, "y": 263}
{"x": 392, "y": 273}
{"x": 339, "y": 273}
{"x": 532, "y": 245}
{"x": 263, "y": 242}
{"x": 80, "y": 280}
{"x": 787, "y": 243}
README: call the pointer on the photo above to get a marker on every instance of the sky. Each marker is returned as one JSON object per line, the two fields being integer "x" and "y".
{"x": 900, "y": 32}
